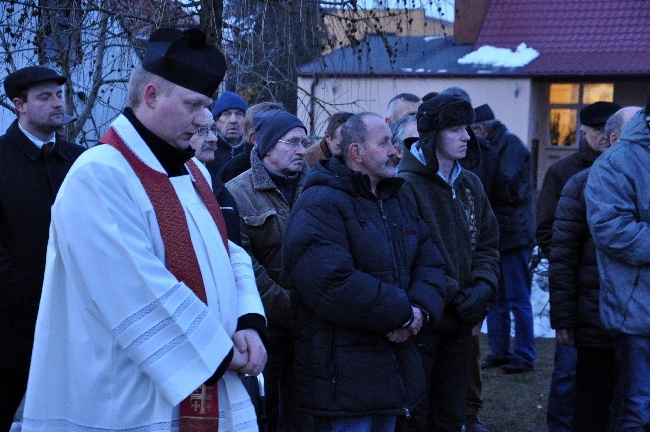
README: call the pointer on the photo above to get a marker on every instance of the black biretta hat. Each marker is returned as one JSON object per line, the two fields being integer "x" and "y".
{"x": 597, "y": 113}
{"x": 185, "y": 59}
{"x": 24, "y": 78}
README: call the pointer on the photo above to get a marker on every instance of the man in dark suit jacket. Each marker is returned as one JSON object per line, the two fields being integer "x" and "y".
{"x": 33, "y": 164}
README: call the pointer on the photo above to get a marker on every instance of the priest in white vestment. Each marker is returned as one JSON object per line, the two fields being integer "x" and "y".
{"x": 122, "y": 342}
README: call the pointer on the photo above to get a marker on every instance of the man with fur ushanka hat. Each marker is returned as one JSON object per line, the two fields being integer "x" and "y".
{"x": 148, "y": 313}
{"x": 452, "y": 202}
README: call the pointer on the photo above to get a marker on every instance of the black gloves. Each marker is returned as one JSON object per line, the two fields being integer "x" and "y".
{"x": 471, "y": 304}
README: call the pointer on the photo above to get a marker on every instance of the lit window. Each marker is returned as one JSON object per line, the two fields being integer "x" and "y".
{"x": 566, "y": 101}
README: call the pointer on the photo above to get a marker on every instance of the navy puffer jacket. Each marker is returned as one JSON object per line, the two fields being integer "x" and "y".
{"x": 358, "y": 262}
{"x": 573, "y": 270}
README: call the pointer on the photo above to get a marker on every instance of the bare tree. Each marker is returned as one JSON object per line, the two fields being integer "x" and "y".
{"x": 96, "y": 44}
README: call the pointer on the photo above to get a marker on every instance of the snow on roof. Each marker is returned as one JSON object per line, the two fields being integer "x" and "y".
{"x": 503, "y": 57}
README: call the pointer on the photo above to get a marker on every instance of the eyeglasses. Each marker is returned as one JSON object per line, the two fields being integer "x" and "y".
{"x": 203, "y": 131}
{"x": 296, "y": 142}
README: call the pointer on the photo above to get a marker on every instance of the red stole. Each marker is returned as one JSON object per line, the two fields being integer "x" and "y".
{"x": 200, "y": 410}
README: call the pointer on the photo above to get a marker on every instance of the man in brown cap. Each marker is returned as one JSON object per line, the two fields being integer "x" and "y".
{"x": 148, "y": 312}
{"x": 33, "y": 163}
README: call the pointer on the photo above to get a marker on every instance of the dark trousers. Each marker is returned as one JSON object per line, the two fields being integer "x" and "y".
{"x": 474, "y": 399}
{"x": 13, "y": 384}
{"x": 445, "y": 357}
{"x": 595, "y": 381}
{"x": 280, "y": 388}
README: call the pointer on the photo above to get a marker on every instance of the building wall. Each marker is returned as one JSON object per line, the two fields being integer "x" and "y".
{"x": 522, "y": 104}
{"x": 508, "y": 98}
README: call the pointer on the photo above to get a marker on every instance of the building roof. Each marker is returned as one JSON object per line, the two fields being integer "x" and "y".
{"x": 573, "y": 37}
{"x": 400, "y": 56}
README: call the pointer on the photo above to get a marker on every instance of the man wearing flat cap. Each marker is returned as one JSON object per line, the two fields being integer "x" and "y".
{"x": 265, "y": 195}
{"x": 148, "y": 312}
{"x": 33, "y": 163}
{"x": 451, "y": 201}
{"x": 593, "y": 141}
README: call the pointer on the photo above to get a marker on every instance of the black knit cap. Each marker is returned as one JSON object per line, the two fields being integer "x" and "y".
{"x": 185, "y": 59}
{"x": 272, "y": 125}
{"x": 483, "y": 113}
{"x": 24, "y": 78}
{"x": 597, "y": 113}
{"x": 443, "y": 111}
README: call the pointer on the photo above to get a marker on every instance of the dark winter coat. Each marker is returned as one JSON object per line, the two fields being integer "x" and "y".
{"x": 511, "y": 189}
{"x": 264, "y": 213}
{"x": 236, "y": 166}
{"x": 358, "y": 262}
{"x": 224, "y": 153}
{"x": 228, "y": 209}
{"x": 618, "y": 211}
{"x": 573, "y": 271}
{"x": 554, "y": 180}
{"x": 461, "y": 223}
{"x": 29, "y": 182}
{"x": 486, "y": 172}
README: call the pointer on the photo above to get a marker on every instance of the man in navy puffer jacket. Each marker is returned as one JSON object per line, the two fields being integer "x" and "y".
{"x": 366, "y": 277}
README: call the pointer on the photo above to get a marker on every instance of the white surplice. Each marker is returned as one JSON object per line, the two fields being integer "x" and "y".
{"x": 119, "y": 341}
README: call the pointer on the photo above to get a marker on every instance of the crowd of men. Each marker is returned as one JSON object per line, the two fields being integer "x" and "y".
{"x": 150, "y": 279}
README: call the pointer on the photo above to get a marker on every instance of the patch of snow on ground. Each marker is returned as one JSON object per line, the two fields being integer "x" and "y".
{"x": 539, "y": 299}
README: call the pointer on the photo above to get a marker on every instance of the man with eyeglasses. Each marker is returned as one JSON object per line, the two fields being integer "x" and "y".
{"x": 204, "y": 143}
{"x": 265, "y": 195}
{"x": 228, "y": 113}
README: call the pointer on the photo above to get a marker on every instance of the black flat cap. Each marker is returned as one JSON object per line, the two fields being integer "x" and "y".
{"x": 483, "y": 113}
{"x": 443, "y": 111}
{"x": 597, "y": 113}
{"x": 185, "y": 58}
{"x": 24, "y": 78}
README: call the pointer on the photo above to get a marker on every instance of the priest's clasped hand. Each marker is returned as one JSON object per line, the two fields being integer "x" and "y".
{"x": 250, "y": 354}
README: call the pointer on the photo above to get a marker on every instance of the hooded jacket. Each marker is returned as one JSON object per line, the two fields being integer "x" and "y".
{"x": 461, "y": 222}
{"x": 618, "y": 212}
{"x": 358, "y": 261}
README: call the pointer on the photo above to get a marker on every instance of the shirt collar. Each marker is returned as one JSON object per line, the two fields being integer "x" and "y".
{"x": 37, "y": 142}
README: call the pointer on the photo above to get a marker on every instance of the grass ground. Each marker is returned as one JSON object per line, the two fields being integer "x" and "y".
{"x": 517, "y": 403}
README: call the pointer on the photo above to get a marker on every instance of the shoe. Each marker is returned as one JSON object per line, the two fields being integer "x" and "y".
{"x": 517, "y": 366}
{"x": 493, "y": 362}
{"x": 474, "y": 424}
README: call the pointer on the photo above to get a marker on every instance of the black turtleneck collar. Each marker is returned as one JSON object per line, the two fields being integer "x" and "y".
{"x": 287, "y": 185}
{"x": 172, "y": 159}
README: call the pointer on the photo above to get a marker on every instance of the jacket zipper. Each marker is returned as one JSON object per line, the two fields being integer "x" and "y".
{"x": 400, "y": 378}
{"x": 390, "y": 240}
{"x": 456, "y": 219}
